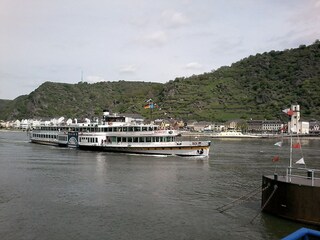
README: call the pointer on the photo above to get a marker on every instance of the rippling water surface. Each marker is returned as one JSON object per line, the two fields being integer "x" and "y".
{"x": 58, "y": 193}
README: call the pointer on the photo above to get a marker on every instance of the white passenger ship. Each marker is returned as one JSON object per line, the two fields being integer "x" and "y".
{"x": 115, "y": 134}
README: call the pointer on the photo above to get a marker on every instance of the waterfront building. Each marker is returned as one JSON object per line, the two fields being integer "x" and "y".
{"x": 295, "y": 125}
{"x": 271, "y": 125}
{"x": 255, "y": 125}
{"x": 314, "y": 127}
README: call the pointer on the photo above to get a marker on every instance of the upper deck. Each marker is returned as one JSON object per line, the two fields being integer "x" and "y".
{"x": 299, "y": 176}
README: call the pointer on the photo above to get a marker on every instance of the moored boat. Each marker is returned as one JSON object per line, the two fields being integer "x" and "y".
{"x": 295, "y": 194}
{"x": 45, "y": 136}
{"x": 233, "y": 134}
{"x": 303, "y": 233}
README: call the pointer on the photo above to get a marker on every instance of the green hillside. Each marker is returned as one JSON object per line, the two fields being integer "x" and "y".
{"x": 81, "y": 100}
{"x": 256, "y": 87}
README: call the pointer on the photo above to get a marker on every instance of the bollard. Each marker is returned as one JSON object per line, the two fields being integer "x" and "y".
{"x": 309, "y": 173}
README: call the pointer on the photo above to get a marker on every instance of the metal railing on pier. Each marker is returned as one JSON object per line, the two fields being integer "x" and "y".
{"x": 303, "y": 176}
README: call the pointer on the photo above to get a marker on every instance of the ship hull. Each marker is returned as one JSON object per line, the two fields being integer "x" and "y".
{"x": 45, "y": 142}
{"x": 294, "y": 201}
{"x": 179, "y": 151}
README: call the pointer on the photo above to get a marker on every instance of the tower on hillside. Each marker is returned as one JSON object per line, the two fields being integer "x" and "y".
{"x": 295, "y": 125}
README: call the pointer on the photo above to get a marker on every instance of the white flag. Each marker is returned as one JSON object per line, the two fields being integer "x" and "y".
{"x": 279, "y": 144}
{"x": 300, "y": 161}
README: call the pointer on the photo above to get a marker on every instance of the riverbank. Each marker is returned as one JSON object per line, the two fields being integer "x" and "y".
{"x": 254, "y": 136}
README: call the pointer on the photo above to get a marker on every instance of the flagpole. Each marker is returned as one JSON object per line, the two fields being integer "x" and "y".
{"x": 290, "y": 152}
{"x": 290, "y": 163}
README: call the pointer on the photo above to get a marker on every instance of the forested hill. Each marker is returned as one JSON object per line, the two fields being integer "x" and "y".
{"x": 257, "y": 87}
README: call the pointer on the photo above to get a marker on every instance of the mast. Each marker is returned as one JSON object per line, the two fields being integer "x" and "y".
{"x": 290, "y": 161}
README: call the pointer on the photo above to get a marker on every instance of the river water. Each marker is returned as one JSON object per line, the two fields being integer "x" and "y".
{"x": 58, "y": 193}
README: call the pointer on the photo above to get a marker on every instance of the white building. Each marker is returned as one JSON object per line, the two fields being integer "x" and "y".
{"x": 295, "y": 125}
{"x": 17, "y": 124}
{"x": 271, "y": 125}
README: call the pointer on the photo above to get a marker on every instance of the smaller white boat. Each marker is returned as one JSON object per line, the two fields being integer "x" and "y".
{"x": 232, "y": 134}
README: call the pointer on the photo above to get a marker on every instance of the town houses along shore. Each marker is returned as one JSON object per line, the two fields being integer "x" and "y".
{"x": 261, "y": 128}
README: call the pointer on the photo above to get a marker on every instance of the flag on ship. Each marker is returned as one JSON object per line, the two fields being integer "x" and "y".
{"x": 300, "y": 161}
{"x": 279, "y": 144}
{"x": 275, "y": 158}
{"x": 296, "y": 145}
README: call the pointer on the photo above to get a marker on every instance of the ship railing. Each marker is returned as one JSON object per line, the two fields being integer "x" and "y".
{"x": 302, "y": 175}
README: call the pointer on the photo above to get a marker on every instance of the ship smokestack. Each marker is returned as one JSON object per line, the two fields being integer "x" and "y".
{"x": 106, "y": 112}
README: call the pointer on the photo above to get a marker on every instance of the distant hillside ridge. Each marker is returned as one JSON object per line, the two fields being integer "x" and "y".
{"x": 256, "y": 87}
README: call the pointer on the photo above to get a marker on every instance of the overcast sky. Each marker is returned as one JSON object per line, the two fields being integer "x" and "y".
{"x": 152, "y": 41}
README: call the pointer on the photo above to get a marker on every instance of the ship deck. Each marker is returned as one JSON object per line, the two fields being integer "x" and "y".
{"x": 297, "y": 179}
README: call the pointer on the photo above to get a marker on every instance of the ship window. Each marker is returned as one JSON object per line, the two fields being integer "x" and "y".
{"x": 142, "y": 139}
{"x": 135, "y": 139}
{"x": 144, "y": 129}
{"x": 130, "y": 129}
{"x": 157, "y": 139}
{"x": 150, "y": 128}
{"x": 137, "y": 129}
{"x": 125, "y": 129}
{"x": 129, "y": 139}
{"x": 148, "y": 139}
{"x": 118, "y": 139}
